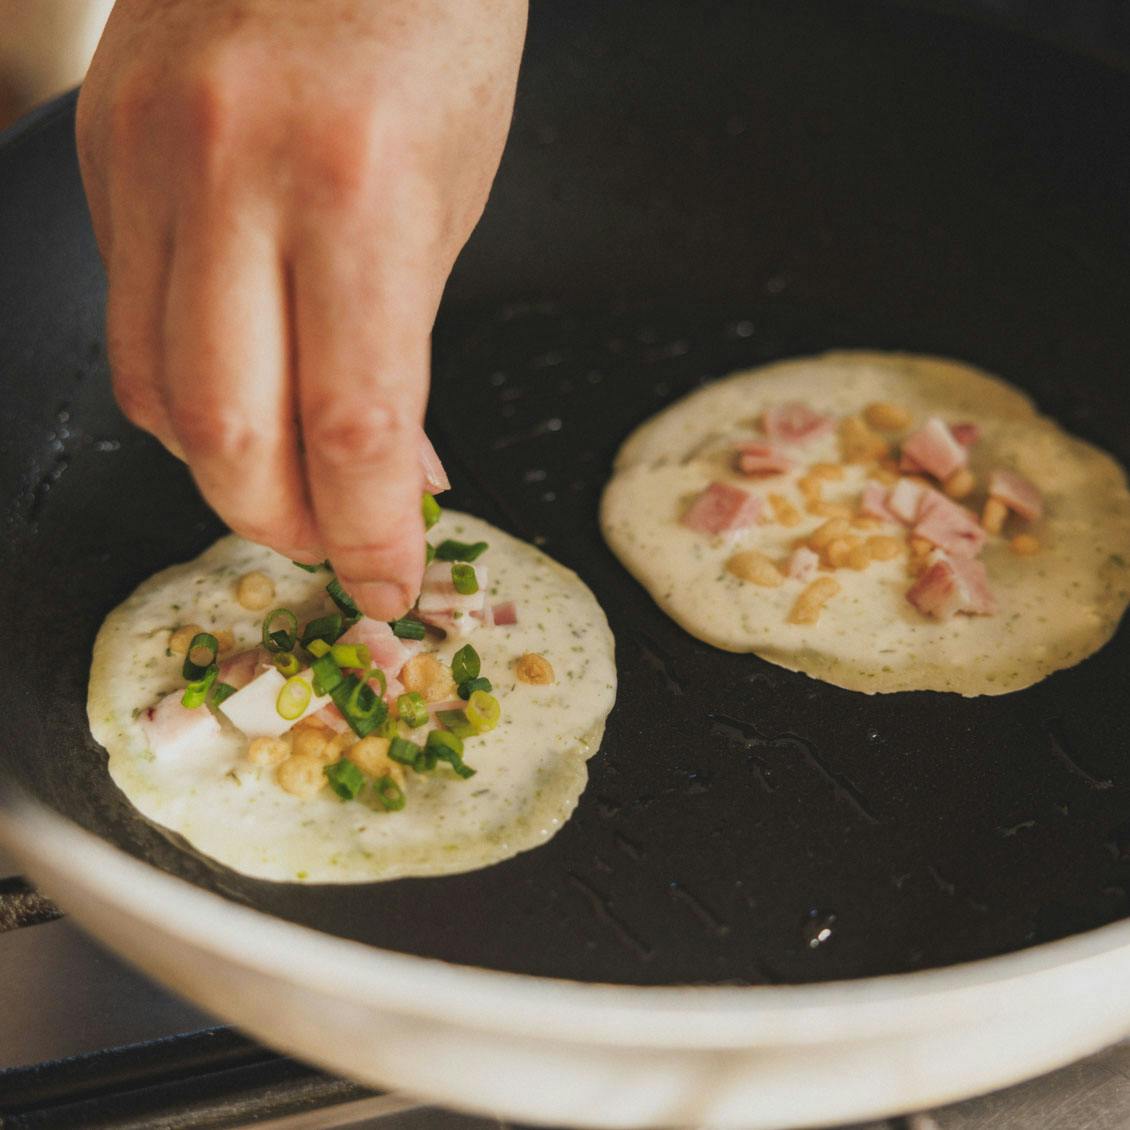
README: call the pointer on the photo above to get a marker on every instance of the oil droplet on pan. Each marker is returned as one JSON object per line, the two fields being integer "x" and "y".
{"x": 817, "y": 927}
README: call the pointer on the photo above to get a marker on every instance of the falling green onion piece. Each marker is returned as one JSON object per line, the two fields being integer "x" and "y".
{"x": 425, "y": 760}
{"x": 287, "y": 663}
{"x": 327, "y": 674}
{"x": 431, "y": 510}
{"x": 446, "y": 746}
{"x": 282, "y": 639}
{"x": 326, "y": 628}
{"x": 471, "y": 685}
{"x": 221, "y": 691}
{"x": 390, "y": 794}
{"x": 193, "y": 668}
{"x": 318, "y": 648}
{"x": 465, "y": 664}
{"x": 388, "y": 729}
{"x": 451, "y": 550}
{"x": 293, "y": 698}
{"x": 197, "y": 691}
{"x": 407, "y": 629}
{"x": 457, "y": 722}
{"x": 483, "y": 711}
{"x": 344, "y": 601}
{"x": 403, "y": 751}
{"x": 465, "y": 580}
{"x": 362, "y": 708}
{"x": 379, "y": 675}
{"x": 412, "y": 709}
{"x": 345, "y": 779}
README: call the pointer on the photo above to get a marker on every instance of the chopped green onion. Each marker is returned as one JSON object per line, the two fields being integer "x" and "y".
{"x": 327, "y": 674}
{"x": 193, "y": 668}
{"x": 312, "y": 568}
{"x": 407, "y": 628}
{"x": 471, "y": 685}
{"x": 430, "y": 509}
{"x": 448, "y": 747}
{"x": 425, "y": 760}
{"x": 465, "y": 664}
{"x": 465, "y": 580}
{"x": 402, "y": 750}
{"x": 197, "y": 691}
{"x": 379, "y": 675}
{"x": 318, "y": 648}
{"x": 344, "y": 601}
{"x": 287, "y": 663}
{"x": 412, "y": 709}
{"x": 350, "y": 655}
{"x": 456, "y": 721}
{"x": 222, "y": 691}
{"x": 429, "y": 553}
{"x": 390, "y": 794}
{"x": 451, "y": 550}
{"x": 388, "y": 729}
{"x": 326, "y": 628}
{"x": 345, "y": 779}
{"x": 362, "y": 707}
{"x": 293, "y": 698}
{"x": 483, "y": 711}
{"x": 281, "y": 640}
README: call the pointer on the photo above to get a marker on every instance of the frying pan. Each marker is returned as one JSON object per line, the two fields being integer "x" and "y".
{"x": 687, "y": 190}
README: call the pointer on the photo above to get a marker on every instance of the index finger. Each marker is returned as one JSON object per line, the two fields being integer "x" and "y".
{"x": 363, "y": 351}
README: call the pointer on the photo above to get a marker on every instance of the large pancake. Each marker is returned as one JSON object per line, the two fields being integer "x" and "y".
{"x": 530, "y": 770}
{"x": 1055, "y": 608}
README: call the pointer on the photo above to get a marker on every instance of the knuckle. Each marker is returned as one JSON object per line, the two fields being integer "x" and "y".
{"x": 356, "y": 435}
{"x": 214, "y": 430}
{"x": 132, "y": 105}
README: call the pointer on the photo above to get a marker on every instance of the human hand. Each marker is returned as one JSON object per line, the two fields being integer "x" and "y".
{"x": 279, "y": 190}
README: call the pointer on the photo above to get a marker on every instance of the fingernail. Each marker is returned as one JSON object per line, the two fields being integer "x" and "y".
{"x": 382, "y": 600}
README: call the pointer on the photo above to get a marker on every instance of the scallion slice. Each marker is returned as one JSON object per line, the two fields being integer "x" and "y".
{"x": 402, "y": 750}
{"x": 456, "y": 721}
{"x": 451, "y": 550}
{"x": 195, "y": 663}
{"x": 430, "y": 509}
{"x": 287, "y": 663}
{"x": 293, "y": 698}
{"x": 412, "y": 709}
{"x": 465, "y": 580}
{"x": 318, "y": 648}
{"x": 388, "y": 729}
{"x": 362, "y": 707}
{"x": 446, "y": 746}
{"x": 389, "y": 793}
{"x": 197, "y": 691}
{"x": 280, "y": 638}
{"x": 483, "y": 711}
{"x": 465, "y": 664}
{"x": 221, "y": 691}
{"x": 471, "y": 685}
{"x": 326, "y": 628}
{"x": 345, "y": 779}
{"x": 407, "y": 628}
{"x": 327, "y": 674}
{"x": 349, "y": 610}
{"x": 429, "y": 553}
{"x": 351, "y": 655}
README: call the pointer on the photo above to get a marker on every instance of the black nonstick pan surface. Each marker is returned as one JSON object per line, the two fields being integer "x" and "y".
{"x": 688, "y": 189}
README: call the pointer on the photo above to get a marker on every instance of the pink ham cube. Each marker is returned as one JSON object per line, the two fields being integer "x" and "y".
{"x": 761, "y": 459}
{"x": 949, "y": 585}
{"x": 173, "y": 730}
{"x": 903, "y": 500}
{"x": 949, "y": 526}
{"x": 722, "y": 508}
{"x": 934, "y": 448}
{"x": 1017, "y": 493}
{"x": 873, "y": 502}
{"x": 795, "y": 422}
{"x": 802, "y": 563}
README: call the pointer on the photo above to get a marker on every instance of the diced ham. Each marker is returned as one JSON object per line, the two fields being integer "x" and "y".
{"x": 873, "y": 502}
{"x": 173, "y": 730}
{"x": 722, "y": 508}
{"x": 910, "y": 466}
{"x": 967, "y": 434}
{"x": 238, "y": 670}
{"x": 330, "y": 716}
{"x": 386, "y": 650}
{"x": 254, "y": 709}
{"x": 795, "y": 422}
{"x": 485, "y": 617}
{"x": 948, "y": 586}
{"x": 934, "y": 448}
{"x": 903, "y": 500}
{"x": 761, "y": 459}
{"x": 802, "y": 563}
{"x": 435, "y": 477}
{"x": 949, "y": 526}
{"x": 506, "y": 614}
{"x": 1017, "y": 493}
